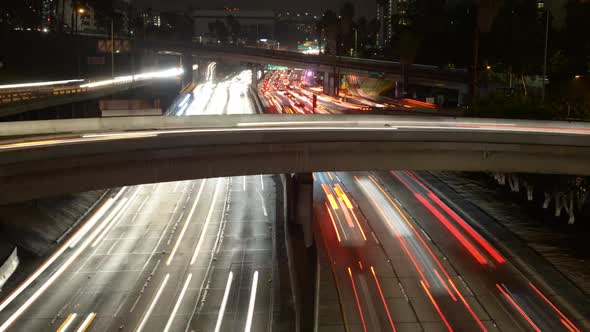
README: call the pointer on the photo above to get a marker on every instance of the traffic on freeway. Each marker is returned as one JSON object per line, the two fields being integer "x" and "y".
{"x": 190, "y": 255}
{"x": 402, "y": 259}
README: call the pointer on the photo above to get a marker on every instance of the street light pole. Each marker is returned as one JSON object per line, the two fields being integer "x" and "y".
{"x": 112, "y": 48}
{"x": 545, "y": 57}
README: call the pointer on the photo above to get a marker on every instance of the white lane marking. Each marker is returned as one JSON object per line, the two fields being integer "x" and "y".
{"x": 110, "y": 220}
{"x": 160, "y": 239}
{"x": 86, "y": 322}
{"x": 243, "y": 183}
{"x": 186, "y": 223}
{"x": 375, "y": 237}
{"x": 135, "y": 303}
{"x": 53, "y": 277}
{"x": 64, "y": 326}
{"x": 224, "y": 302}
{"x": 251, "y": 303}
{"x": 123, "y": 300}
{"x": 177, "y": 305}
{"x": 149, "y": 310}
{"x": 263, "y": 206}
{"x": 261, "y": 182}
{"x": 111, "y": 248}
{"x": 117, "y": 216}
{"x": 204, "y": 231}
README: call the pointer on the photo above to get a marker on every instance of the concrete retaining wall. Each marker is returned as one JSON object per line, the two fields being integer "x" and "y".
{"x": 8, "y": 267}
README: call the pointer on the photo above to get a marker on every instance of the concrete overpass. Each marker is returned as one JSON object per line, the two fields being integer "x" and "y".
{"x": 44, "y": 158}
{"x": 333, "y": 66}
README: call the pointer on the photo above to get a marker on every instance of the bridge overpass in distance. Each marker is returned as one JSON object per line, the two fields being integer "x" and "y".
{"x": 333, "y": 66}
{"x": 45, "y": 158}
{"x": 26, "y": 97}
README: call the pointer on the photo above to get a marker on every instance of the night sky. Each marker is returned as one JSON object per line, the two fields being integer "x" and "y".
{"x": 364, "y": 7}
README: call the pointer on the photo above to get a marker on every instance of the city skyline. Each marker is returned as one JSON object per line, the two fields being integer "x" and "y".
{"x": 363, "y": 8}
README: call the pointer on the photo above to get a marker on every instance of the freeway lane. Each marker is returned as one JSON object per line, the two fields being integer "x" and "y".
{"x": 192, "y": 255}
{"x": 421, "y": 266}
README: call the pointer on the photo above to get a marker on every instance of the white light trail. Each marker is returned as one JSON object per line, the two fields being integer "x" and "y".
{"x": 168, "y": 73}
{"x": 38, "y": 84}
{"x": 207, "y": 220}
{"x": 224, "y": 302}
{"x": 117, "y": 213}
{"x": 53, "y": 277}
{"x": 86, "y": 323}
{"x": 178, "y": 301}
{"x": 81, "y": 232}
{"x": 149, "y": 310}
{"x": 251, "y": 303}
{"x": 186, "y": 223}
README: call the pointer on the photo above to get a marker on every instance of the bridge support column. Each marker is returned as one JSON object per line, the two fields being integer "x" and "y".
{"x": 304, "y": 256}
{"x": 254, "y": 68}
{"x": 330, "y": 84}
{"x": 187, "y": 65}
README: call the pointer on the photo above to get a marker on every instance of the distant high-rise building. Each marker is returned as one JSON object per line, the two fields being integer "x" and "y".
{"x": 48, "y": 14}
{"x": 389, "y": 14}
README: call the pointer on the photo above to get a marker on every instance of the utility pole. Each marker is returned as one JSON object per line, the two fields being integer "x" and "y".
{"x": 545, "y": 57}
{"x": 112, "y": 48}
{"x": 356, "y": 40}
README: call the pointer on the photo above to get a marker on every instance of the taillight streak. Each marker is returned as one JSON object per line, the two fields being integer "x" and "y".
{"x": 383, "y": 299}
{"x": 564, "y": 319}
{"x": 468, "y": 245}
{"x": 358, "y": 302}
{"x": 445, "y": 285}
{"x": 517, "y": 307}
{"x": 442, "y": 316}
{"x": 439, "y": 264}
{"x": 478, "y": 238}
{"x": 333, "y": 223}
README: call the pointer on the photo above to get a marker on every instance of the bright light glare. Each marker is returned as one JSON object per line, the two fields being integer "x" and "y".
{"x": 168, "y": 73}
{"x": 37, "y": 84}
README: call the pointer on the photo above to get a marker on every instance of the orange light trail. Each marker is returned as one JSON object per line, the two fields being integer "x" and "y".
{"x": 564, "y": 319}
{"x": 445, "y": 285}
{"x": 340, "y": 192}
{"x": 569, "y": 328}
{"x": 483, "y": 328}
{"x": 358, "y": 302}
{"x": 436, "y": 306}
{"x": 383, "y": 299}
{"x": 518, "y": 308}
{"x": 333, "y": 223}
{"x": 330, "y": 196}
{"x": 359, "y": 225}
